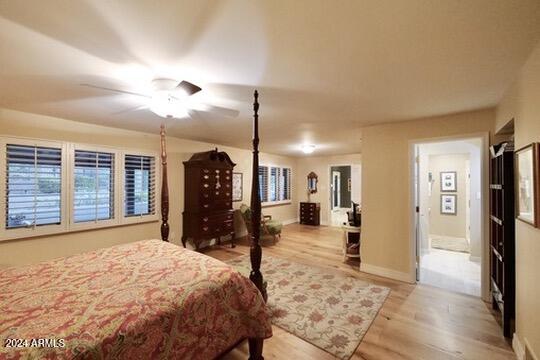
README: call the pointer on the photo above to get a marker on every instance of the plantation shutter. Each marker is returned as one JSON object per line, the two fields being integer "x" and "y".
{"x": 33, "y": 186}
{"x": 274, "y": 184}
{"x": 285, "y": 184}
{"x": 139, "y": 184}
{"x": 263, "y": 183}
{"x": 94, "y": 186}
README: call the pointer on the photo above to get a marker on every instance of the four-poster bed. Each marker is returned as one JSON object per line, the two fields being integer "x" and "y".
{"x": 145, "y": 299}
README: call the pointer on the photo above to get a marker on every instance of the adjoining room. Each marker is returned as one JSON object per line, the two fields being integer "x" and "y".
{"x": 450, "y": 219}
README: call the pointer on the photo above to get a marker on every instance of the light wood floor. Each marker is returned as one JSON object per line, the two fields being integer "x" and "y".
{"x": 415, "y": 322}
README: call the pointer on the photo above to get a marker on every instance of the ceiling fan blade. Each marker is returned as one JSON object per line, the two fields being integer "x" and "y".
{"x": 188, "y": 87}
{"x": 142, "y": 107}
{"x": 221, "y": 110}
{"x": 218, "y": 110}
{"x": 116, "y": 90}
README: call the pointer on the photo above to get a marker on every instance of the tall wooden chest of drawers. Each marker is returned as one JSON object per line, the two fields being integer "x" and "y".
{"x": 310, "y": 213}
{"x": 208, "y": 212}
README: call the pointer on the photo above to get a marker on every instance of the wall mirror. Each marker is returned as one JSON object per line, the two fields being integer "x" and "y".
{"x": 312, "y": 179}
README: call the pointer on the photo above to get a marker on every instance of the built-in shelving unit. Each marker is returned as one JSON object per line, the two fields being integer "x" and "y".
{"x": 502, "y": 235}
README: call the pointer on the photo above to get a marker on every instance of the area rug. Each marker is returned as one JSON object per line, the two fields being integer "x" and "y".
{"x": 332, "y": 312}
{"x": 450, "y": 243}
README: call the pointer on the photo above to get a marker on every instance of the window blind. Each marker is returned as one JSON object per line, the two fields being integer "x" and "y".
{"x": 139, "y": 185}
{"x": 285, "y": 184}
{"x": 33, "y": 186}
{"x": 263, "y": 183}
{"x": 94, "y": 186}
{"x": 274, "y": 184}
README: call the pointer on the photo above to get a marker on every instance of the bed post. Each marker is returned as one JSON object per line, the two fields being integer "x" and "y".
{"x": 164, "y": 188}
{"x": 256, "y": 344}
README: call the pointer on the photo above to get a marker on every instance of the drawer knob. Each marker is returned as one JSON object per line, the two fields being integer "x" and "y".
{"x": 205, "y": 228}
{"x": 205, "y": 219}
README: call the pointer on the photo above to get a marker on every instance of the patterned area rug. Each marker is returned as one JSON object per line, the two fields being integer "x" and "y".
{"x": 332, "y": 312}
{"x": 449, "y": 243}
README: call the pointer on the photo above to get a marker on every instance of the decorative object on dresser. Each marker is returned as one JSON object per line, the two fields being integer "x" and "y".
{"x": 208, "y": 212}
{"x": 528, "y": 186}
{"x": 310, "y": 213}
{"x": 502, "y": 238}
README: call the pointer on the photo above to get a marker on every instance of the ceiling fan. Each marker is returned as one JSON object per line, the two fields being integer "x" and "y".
{"x": 169, "y": 98}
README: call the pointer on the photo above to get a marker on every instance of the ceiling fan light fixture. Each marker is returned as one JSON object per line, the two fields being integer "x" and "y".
{"x": 164, "y": 105}
{"x": 308, "y": 148}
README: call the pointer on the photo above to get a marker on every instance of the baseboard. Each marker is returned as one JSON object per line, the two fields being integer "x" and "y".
{"x": 518, "y": 347}
{"x": 385, "y": 272}
{"x": 290, "y": 221}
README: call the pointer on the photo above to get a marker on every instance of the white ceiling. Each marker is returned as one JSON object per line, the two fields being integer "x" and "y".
{"x": 323, "y": 68}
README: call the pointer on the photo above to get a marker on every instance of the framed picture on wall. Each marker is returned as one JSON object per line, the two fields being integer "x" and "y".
{"x": 448, "y": 204}
{"x": 237, "y": 187}
{"x": 528, "y": 186}
{"x": 448, "y": 181}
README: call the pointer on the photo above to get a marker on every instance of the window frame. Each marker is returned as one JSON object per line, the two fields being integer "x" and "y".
{"x": 132, "y": 219}
{"x": 17, "y": 233}
{"x": 279, "y": 185}
{"x": 93, "y": 224}
{"x": 67, "y": 191}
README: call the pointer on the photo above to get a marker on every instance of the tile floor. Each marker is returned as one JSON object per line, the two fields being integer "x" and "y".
{"x": 450, "y": 270}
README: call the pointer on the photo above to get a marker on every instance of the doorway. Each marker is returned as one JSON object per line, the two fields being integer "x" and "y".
{"x": 344, "y": 189}
{"x": 449, "y": 220}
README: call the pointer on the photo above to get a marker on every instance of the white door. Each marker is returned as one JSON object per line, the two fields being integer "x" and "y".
{"x": 418, "y": 233}
{"x": 336, "y": 189}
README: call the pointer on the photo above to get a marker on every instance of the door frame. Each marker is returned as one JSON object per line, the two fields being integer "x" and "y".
{"x": 330, "y": 166}
{"x": 484, "y": 205}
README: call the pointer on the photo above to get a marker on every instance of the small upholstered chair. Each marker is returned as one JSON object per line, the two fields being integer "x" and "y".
{"x": 270, "y": 229}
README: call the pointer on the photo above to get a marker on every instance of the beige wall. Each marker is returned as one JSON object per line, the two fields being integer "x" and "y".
{"x": 320, "y": 165}
{"x": 386, "y": 184}
{"x": 442, "y": 224}
{"x": 17, "y": 252}
{"x": 522, "y": 103}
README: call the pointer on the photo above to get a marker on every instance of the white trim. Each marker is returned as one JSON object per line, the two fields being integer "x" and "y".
{"x": 17, "y": 233}
{"x": 290, "y": 221}
{"x": 157, "y": 183}
{"x": 518, "y": 347}
{"x": 387, "y": 273}
{"x": 95, "y": 224}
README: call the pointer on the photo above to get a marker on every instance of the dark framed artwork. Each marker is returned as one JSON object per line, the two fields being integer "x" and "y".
{"x": 528, "y": 184}
{"x": 448, "y": 181}
{"x": 237, "y": 186}
{"x": 449, "y": 204}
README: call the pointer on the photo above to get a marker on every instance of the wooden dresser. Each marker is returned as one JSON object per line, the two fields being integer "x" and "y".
{"x": 310, "y": 213}
{"x": 208, "y": 212}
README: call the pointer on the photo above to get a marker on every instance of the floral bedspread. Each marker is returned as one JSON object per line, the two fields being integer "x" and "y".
{"x": 144, "y": 300}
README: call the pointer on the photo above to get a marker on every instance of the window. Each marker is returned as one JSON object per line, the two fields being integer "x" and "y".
{"x": 285, "y": 181}
{"x": 93, "y": 195}
{"x": 53, "y": 187}
{"x": 274, "y": 184}
{"x": 139, "y": 185}
{"x": 33, "y": 186}
{"x": 263, "y": 183}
